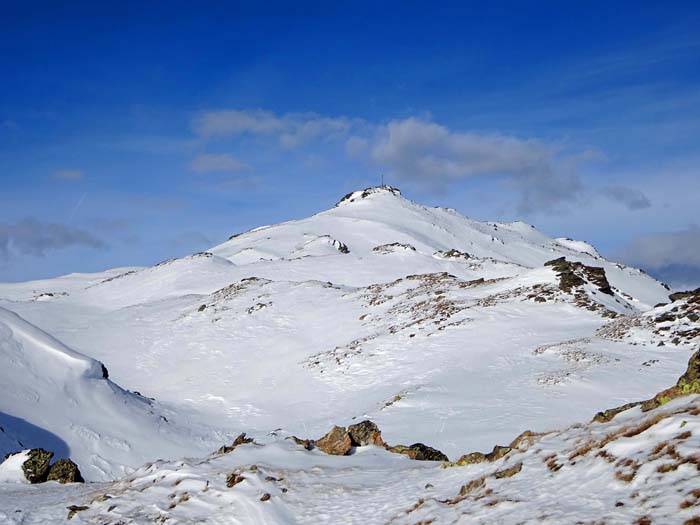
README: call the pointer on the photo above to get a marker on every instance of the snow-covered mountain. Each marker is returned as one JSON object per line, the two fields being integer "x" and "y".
{"x": 441, "y": 329}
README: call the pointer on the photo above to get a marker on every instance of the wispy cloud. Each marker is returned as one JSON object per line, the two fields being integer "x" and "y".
{"x": 290, "y": 129}
{"x": 32, "y": 237}
{"x": 673, "y": 256}
{"x": 544, "y": 175}
{"x": 632, "y": 198}
{"x": 217, "y": 163}
{"x": 70, "y": 175}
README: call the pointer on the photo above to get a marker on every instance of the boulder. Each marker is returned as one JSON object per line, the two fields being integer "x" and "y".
{"x": 419, "y": 452}
{"x": 365, "y": 433}
{"x": 36, "y": 467}
{"x": 336, "y": 442}
{"x": 65, "y": 471}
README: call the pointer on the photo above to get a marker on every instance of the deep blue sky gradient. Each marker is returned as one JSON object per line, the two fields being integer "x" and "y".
{"x": 114, "y": 90}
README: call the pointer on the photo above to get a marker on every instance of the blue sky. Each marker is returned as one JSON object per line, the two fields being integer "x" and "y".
{"x": 132, "y": 132}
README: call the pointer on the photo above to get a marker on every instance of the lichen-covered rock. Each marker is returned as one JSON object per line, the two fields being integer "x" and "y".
{"x": 497, "y": 453}
{"x": 471, "y": 459}
{"x": 684, "y": 295}
{"x": 336, "y": 442}
{"x": 365, "y": 433}
{"x": 419, "y": 452}
{"x": 36, "y": 468}
{"x": 508, "y": 472}
{"x": 525, "y": 440}
{"x": 479, "y": 457}
{"x": 65, "y": 471}
{"x": 688, "y": 383}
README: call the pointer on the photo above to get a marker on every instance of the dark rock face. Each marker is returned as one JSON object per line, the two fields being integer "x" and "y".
{"x": 455, "y": 254}
{"x": 365, "y": 433}
{"x": 391, "y": 247}
{"x": 351, "y": 197}
{"x": 105, "y": 372}
{"x": 574, "y": 274}
{"x": 419, "y": 452}
{"x": 240, "y": 440}
{"x": 36, "y": 468}
{"x": 684, "y": 295}
{"x": 65, "y": 471}
{"x": 336, "y": 442}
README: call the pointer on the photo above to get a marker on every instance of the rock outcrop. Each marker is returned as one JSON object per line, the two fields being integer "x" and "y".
{"x": 688, "y": 383}
{"x": 419, "y": 452}
{"x": 574, "y": 274}
{"x": 340, "y": 441}
{"x": 37, "y": 467}
{"x": 65, "y": 471}
{"x": 336, "y": 442}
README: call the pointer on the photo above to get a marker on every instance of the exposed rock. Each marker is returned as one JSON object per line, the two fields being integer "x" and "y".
{"x": 688, "y": 383}
{"x": 306, "y": 443}
{"x": 508, "y": 472}
{"x": 497, "y": 453}
{"x": 363, "y": 194}
{"x": 392, "y": 247}
{"x": 471, "y": 459}
{"x": 65, "y": 471}
{"x": 36, "y": 468}
{"x": 419, "y": 452}
{"x": 74, "y": 509}
{"x": 233, "y": 478}
{"x": 575, "y": 274}
{"x": 336, "y": 442}
{"x": 240, "y": 440}
{"x": 684, "y": 295}
{"x": 479, "y": 457}
{"x": 455, "y": 254}
{"x": 365, "y": 433}
{"x": 525, "y": 440}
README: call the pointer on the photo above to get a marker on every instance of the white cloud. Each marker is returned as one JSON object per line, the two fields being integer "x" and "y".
{"x": 291, "y": 129}
{"x": 69, "y": 175}
{"x": 543, "y": 175}
{"x": 671, "y": 256}
{"x": 235, "y": 122}
{"x": 420, "y": 149}
{"x": 32, "y": 237}
{"x": 658, "y": 250}
{"x": 430, "y": 154}
{"x": 217, "y": 163}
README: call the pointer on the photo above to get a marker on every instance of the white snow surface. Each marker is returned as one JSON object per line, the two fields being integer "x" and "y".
{"x": 58, "y": 399}
{"x": 638, "y": 468}
{"x": 302, "y": 325}
{"x": 11, "y": 468}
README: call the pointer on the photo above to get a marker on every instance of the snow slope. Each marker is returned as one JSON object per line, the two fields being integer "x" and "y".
{"x": 637, "y": 468}
{"x": 442, "y": 329}
{"x": 56, "y": 398}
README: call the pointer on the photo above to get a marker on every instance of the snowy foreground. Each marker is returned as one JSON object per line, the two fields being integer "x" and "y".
{"x": 440, "y": 329}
